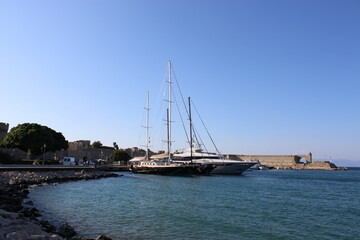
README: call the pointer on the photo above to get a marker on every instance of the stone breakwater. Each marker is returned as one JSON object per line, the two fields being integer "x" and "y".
{"x": 20, "y": 220}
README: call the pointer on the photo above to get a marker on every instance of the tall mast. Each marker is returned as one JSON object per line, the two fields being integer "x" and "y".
{"x": 147, "y": 126}
{"x": 168, "y": 134}
{"x": 169, "y": 112}
{"x": 191, "y": 140}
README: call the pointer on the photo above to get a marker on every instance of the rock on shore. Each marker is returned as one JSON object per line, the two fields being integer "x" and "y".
{"x": 18, "y": 221}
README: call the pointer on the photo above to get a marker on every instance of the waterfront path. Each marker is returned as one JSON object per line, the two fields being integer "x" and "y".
{"x": 18, "y": 167}
{"x": 24, "y": 167}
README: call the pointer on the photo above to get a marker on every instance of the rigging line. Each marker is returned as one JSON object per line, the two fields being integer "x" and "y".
{"x": 161, "y": 143}
{"x": 182, "y": 97}
{"x": 205, "y": 128}
{"x": 163, "y": 82}
{"x": 181, "y": 118}
{"x": 158, "y": 115}
{"x": 201, "y": 142}
{"x": 140, "y": 135}
{"x": 156, "y": 130}
{"x": 196, "y": 135}
{"x": 185, "y": 106}
{"x": 187, "y": 112}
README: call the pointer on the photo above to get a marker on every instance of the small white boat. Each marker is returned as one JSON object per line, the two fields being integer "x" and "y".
{"x": 258, "y": 166}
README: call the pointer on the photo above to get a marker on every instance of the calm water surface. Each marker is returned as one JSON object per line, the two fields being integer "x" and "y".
{"x": 258, "y": 205}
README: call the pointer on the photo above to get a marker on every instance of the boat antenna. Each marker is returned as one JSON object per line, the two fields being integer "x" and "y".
{"x": 191, "y": 141}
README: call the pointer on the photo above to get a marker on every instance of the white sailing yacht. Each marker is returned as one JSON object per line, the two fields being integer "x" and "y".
{"x": 164, "y": 163}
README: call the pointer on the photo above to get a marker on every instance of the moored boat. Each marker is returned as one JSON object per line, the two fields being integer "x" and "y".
{"x": 163, "y": 164}
{"x": 223, "y": 166}
{"x": 171, "y": 168}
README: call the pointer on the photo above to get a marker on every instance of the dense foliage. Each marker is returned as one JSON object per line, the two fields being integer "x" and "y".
{"x": 34, "y": 139}
{"x": 96, "y": 144}
{"x": 120, "y": 155}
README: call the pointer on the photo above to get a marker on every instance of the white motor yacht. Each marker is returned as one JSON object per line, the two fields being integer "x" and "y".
{"x": 223, "y": 166}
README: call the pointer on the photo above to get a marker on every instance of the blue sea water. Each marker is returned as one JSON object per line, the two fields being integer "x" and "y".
{"x": 274, "y": 204}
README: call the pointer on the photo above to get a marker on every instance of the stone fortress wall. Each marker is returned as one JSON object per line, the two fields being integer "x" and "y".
{"x": 286, "y": 161}
{"x": 278, "y": 161}
{"x": 4, "y": 128}
{"x": 82, "y": 149}
{"x": 79, "y": 145}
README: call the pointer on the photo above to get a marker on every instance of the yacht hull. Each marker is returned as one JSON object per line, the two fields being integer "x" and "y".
{"x": 223, "y": 166}
{"x": 232, "y": 169}
{"x": 174, "y": 170}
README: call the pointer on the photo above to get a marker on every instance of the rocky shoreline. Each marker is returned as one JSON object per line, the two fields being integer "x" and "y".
{"x": 20, "y": 220}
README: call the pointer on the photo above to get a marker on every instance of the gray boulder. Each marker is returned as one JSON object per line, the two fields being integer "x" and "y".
{"x": 20, "y": 235}
{"x": 66, "y": 231}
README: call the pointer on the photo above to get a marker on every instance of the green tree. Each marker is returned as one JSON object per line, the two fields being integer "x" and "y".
{"x": 120, "y": 155}
{"x": 116, "y": 147}
{"x": 96, "y": 144}
{"x": 34, "y": 139}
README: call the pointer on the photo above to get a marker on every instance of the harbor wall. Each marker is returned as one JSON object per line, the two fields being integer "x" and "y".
{"x": 277, "y": 161}
{"x": 321, "y": 165}
{"x": 286, "y": 161}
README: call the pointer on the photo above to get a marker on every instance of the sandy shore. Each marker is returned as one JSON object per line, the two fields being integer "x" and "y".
{"x": 20, "y": 220}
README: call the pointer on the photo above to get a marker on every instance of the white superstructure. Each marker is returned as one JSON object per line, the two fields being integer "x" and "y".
{"x": 223, "y": 166}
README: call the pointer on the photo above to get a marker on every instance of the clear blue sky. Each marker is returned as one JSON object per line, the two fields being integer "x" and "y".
{"x": 269, "y": 77}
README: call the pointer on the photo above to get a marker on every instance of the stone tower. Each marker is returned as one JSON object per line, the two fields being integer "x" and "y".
{"x": 4, "y": 127}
